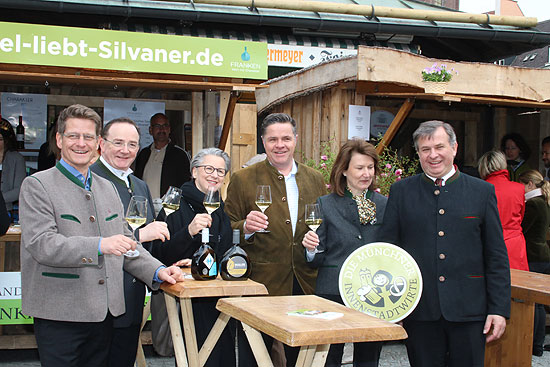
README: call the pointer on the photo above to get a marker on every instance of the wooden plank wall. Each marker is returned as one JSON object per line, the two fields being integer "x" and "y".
{"x": 321, "y": 117}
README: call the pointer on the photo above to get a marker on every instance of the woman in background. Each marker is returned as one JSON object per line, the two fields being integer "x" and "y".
{"x": 12, "y": 165}
{"x": 511, "y": 205}
{"x": 535, "y": 225}
{"x": 517, "y": 153}
{"x": 351, "y": 215}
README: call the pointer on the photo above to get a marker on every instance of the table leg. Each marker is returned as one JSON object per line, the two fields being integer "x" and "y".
{"x": 189, "y": 332}
{"x": 212, "y": 338}
{"x": 321, "y": 354}
{"x": 305, "y": 357}
{"x": 140, "y": 357}
{"x": 258, "y": 346}
{"x": 175, "y": 330}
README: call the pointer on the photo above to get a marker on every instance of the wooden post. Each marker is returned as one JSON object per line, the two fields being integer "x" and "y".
{"x": 197, "y": 121}
{"x": 234, "y": 97}
{"x": 395, "y": 124}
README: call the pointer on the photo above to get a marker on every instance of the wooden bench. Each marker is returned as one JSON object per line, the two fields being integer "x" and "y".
{"x": 314, "y": 336}
{"x": 187, "y": 290}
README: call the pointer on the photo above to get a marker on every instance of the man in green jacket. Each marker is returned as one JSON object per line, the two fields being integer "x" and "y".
{"x": 277, "y": 257}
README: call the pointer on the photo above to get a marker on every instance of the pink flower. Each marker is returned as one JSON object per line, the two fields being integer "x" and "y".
{"x": 323, "y": 165}
{"x": 388, "y": 166}
{"x": 377, "y": 190}
{"x": 398, "y": 172}
{"x": 383, "y": 174}
{"x": 328, "y": 186}
{"x": 398, "y": 178}
{"x": 324, "y": 158}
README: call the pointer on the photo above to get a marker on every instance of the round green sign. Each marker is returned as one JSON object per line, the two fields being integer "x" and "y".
{"x": 381, "y": 280}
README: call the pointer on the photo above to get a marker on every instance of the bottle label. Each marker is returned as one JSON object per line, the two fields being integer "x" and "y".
{"x": 20, "y": 137}
{"x": 236, "y": 266}
{"x": 213, "y": 270}
{"x": 209, "y": 261}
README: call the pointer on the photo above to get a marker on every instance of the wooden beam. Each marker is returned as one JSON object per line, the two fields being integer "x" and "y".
{"x": 395, "y": 125}
{"x": 197, "y": 121}
{"x": 92, "y": 101}
{"x": 228, "y": 119}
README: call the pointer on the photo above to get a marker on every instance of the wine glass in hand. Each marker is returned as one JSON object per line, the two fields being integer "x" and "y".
{"x": 211, "y": 200}
{"x": 313, "y": 220}
{"x": 171, "y": 200}
{"x": 136, "y": 216}
{"x": 263, "y": 200}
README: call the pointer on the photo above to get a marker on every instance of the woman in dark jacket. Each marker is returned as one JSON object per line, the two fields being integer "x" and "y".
{"x": 351, "y": 214}
{"x": 535, "y": 225}
{"x": 208, "y": 169}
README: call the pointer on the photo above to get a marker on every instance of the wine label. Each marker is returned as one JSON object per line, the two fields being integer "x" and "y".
{"x": 20, "y": 137}
{"x": 236, "y": 266}
{"x": 209, "y": 261}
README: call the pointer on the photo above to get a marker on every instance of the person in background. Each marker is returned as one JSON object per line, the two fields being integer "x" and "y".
{"x": 535, "y": 225}
{"x": 448, "y": 222}
{"x": 12, "y": 166}
{"x": 119, "y": 145}
{"x": 277, "y": 259}
{"x": 511, "y": 205}
{"x": 5, "y": 219}
{"x": 545, "y": 148}
{"x": 162, "y": 164}
{"x": 517, "y": 153}
{"x": 352, "y": 215}
{"x": 49, "y": 152}
{"x": 208, "y": 168}
{"x": 73, "y": 240}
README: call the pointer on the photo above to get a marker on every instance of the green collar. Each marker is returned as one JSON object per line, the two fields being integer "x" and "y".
{"x": 348, "y": 193}
{"x": 72, "y": 177}
{"x": 112, "y": 176}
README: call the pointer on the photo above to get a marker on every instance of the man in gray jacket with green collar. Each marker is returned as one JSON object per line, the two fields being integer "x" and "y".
{"x": 72, "y": 244}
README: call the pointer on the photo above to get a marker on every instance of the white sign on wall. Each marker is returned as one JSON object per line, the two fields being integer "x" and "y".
{"x": 139, "y": 111}
{"x": 380, "y": 121}
{"x": 359, "y": 122}
{"x": 303, "y": 56}
{"x": 34, "y": 109}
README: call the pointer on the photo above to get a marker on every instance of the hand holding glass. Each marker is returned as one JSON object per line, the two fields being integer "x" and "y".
{"x": 136, "y": 216}
{"x": 211, "y": 200}
{"x": 263, "y": 200}
{"x": 313, "y": 220}
{"x": 171, "y": 200}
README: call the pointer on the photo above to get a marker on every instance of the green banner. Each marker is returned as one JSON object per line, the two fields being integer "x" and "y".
{"x": 130, "y": 51}
{"x": 10, "y": 313}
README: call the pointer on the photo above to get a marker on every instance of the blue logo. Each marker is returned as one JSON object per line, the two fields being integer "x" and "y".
{"x": 245, "y": 56}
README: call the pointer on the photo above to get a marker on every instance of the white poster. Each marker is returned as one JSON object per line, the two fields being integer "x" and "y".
{"x": 302, "y": 56}
{"x": 34, "y": 109}
{"x": 380, "y": 121}
{"x": 359, "y": 122}
{"x": 139, "y": 111}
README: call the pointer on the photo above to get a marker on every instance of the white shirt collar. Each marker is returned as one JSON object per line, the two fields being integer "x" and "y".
{"x": 444, "y": 178}
{"x": 123, "y": 175}
{"x": 532, "y": 194}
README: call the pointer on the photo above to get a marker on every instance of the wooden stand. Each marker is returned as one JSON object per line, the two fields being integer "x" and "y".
{"x": 189, "y": 289}
{"x": 314, "y": 336}
{"x": 515, "y": 346}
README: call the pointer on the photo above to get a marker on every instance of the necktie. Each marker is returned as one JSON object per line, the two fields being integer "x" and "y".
{"x": 438, "y": 182}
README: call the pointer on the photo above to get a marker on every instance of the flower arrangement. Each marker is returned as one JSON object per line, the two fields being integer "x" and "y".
{"x": 392, "y": 167}
{"x": 438, "y": 73}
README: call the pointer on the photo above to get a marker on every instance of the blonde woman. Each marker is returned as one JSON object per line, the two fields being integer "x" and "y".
{"x": 535, "y": 224}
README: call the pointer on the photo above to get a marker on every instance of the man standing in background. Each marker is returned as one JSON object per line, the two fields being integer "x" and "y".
{"x": 545, "y": 147}
{"x": 119, "y": 145}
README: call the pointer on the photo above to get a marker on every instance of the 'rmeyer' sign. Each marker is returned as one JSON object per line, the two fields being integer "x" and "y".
{"x": 118, "y": 50}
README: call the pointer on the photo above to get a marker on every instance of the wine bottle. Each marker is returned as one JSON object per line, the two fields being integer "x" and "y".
{"x": 235, "y": 264}
{"x": 203, "y": 262}
{"x": 20, "y": 133}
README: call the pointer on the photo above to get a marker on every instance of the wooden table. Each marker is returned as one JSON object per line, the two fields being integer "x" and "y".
{"x": 188, "y": 290}
{"x": 514, "y": 348}
{"x": 314, "y": 336}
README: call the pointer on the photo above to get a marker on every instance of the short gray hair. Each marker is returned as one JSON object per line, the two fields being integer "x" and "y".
{"x": 490, "y": 162}
{"x": 427, "y": 129}
{"x": 199, "y": 157}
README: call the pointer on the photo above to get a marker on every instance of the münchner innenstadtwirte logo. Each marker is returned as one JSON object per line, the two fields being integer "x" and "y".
{"x": 381, "y": 280}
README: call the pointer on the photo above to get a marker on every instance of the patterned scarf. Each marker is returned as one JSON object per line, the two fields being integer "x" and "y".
{"x": 365, "y": 206}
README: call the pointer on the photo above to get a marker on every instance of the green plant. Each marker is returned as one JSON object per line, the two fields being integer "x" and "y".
{"x": 393, "y": 167}
{"x": 325, "y": 163}
{"x": 438, "y": 73}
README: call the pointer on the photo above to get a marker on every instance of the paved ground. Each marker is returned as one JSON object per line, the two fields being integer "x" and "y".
{"x": 393, "y": 355}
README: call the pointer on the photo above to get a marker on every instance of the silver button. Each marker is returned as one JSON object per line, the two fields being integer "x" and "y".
{"x": 280, "y": 178}
{"x": 92, "y": 218}
{"x": 88, "y": 196}
{"x": 441, "y": 211}
{"x": 437, "y": 192}
{"x": 283, "y": 199}
{"x": 442, "y": 278}
{"x": 442, "y": 256}
{"x": 287, "y": 221}
{"x": 359, "y": 237}
{"x": 441, "y": 233}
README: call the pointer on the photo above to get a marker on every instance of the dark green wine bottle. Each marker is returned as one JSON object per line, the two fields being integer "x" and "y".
{"x": 235, "y": 264}
{"x": 203, "y": 262}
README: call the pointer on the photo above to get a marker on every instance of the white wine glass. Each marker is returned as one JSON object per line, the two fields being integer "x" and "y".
{"x": 171, "y": 200}
{"x": 211, "y": 200}
{"x": 313, "y": 220}
{"x": 136, "y": 216}
{"x": 263, "y": 200}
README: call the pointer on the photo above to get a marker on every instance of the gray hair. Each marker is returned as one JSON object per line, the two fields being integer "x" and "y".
{"x": 199, "y": 157}
{"x": 490, "y": 162}
{"x": 427, "y": 129}
{"x": 277, "y": 118}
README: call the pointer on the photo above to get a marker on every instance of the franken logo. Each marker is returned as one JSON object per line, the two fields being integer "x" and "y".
{"x": 382, "y": 280}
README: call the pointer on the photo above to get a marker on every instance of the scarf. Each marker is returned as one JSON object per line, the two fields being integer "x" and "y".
{"x": 365, "y": 206}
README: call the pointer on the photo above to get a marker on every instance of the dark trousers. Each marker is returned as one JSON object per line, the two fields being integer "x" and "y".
{"x": 246, "y": 357}
{"x": 539, "y": 328}
{"x": 73, "y": 344}
{"x": 123, "y": 348}
{"x": 444, "y": 343}
{"x": 364, "y": 354}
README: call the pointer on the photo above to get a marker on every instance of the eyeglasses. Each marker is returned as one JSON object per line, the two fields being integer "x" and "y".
{"x": 76, "y": 137}
{"x": 209, "y": 170}
{"x": 132, "y": 145}
{"x": 160, "y": 126}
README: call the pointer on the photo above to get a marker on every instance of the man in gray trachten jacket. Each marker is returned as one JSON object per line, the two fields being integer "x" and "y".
{"x": 72, "y": 242}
